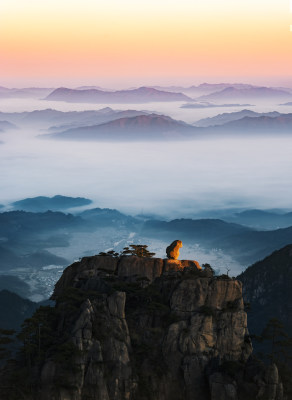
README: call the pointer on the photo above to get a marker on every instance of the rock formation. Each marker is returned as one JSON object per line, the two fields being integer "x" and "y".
{"x": 172, "y": 251}
{"x": 131, "y": 328}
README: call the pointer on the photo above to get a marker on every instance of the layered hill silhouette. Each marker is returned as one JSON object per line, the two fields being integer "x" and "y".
{"x": 22, "y": 93}
{"x": 207, "y": 104}
{"x": 261, "y": 219}
{"x": 6, "y": 126}
{"x": 204, "y": 88}
{"x": 225, "y": 118}
{"x": 140, "y": 95}
{"x": 256, "y": 93}
{"x": 57, "y": 120}
{"x": 152, "y": 126}
{"x": 262, "y": 124}
{"x": 44, "y": 203}
{"x": 245, "y": 244}
{"x": 161, "y": 127}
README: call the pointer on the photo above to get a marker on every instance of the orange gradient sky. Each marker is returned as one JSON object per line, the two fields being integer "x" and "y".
{"x": 127, "y": 42}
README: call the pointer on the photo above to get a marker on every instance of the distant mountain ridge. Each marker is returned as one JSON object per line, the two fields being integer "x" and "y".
{"x": 21, "y": 93}
{"x": 233, "y": 93}
{"x": 243, "y": 243}
{"x": 5, "y": 126}
{"x": 161, "y": 127}
{"x": 50, "y": 117}
{"x": 140, "y": 95}
{"x": 224, "y": 118}
{"x": 151, "y": 126}
{"x": 261, "y": 219}
{"x": 44, "y": 203}
{"x": 264, "y": 124}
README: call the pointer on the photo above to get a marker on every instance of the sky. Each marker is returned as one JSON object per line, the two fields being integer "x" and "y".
{"x": 120, "y": 43}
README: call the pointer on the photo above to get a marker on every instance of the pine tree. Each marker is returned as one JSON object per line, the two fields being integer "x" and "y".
{"x": 139, "y": 250}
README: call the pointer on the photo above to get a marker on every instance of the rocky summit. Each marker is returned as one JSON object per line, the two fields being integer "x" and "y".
{"x": 135, "y": 328}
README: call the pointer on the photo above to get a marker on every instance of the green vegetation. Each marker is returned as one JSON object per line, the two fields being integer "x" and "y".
{"x": 139, "y": 250}
{"x": 37, "y": 335}
{"x": 110, "y": 253}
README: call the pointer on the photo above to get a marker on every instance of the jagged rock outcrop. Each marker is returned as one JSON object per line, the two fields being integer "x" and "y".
{"x": 133, "y": 328}
{"x": 87, "y": 273}
{"x": 172, "y": 251}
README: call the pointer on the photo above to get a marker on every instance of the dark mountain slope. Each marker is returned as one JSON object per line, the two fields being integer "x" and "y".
{"x": 254, "y": 245}
{"x": 203, "y": 230}
{"x": 142, "y": 329}
{"x": 267, "y": 286}
{"x": 14, "y": 310}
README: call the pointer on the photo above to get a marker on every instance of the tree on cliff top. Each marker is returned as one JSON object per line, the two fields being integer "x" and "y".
{"x": 139, "y": 250}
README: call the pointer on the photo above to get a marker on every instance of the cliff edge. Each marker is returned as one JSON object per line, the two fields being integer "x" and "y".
{"x": 132, "y": 328}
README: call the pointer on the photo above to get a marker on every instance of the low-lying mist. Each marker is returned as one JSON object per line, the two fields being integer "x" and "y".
{"x": 167, "y": 178}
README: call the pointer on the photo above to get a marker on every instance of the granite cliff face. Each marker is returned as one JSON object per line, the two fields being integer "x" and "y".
{"x": 133, "y": 328}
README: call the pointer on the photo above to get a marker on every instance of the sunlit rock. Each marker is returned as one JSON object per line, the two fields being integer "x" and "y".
{"x": 172, "y": 251}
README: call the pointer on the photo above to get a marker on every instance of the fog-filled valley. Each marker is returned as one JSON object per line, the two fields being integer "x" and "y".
{"x": 212, "y": 169}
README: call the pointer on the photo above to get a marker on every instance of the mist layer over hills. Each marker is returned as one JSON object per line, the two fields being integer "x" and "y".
{"x": 205, "y": 173}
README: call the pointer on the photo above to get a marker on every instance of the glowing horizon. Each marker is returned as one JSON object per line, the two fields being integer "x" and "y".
{"x": 123, "y": 43}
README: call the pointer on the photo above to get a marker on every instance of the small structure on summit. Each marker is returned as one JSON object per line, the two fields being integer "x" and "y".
{"x": 172, "y": 251}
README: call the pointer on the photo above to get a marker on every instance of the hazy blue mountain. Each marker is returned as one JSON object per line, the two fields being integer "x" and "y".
{"x": 202, "y": 230}
{"x": 206, "y": 104}
{"x": 140, "y": 95}
{"x": 27, "y": 240}
{"x": 49, "y": 117}
{"x": 10, "y": 259}
{"x": 14, "y": 93}
{"x": 260, "y": 219}
{"x": 100, "y": 118}
{"x": 93, "y": 87}
{"x": 5, "y": 126}
{"x": 14, "y": 284}
{"x": 161, "y": 127}
{"x": 26, "y": 237}
{"x": 106, "y": 217}
{"x": 253, "y": 125}
{"x": 251, "y": 246}
{"x": 15, "y": 224}
{"x": 259, "y": 93}
{"x": 204, "y": 88}
{"x": 44, "y": 203}
{"x": 141, "y": 127}
{"x": 241, "y": 242}
{"x": 224, "y": 118}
